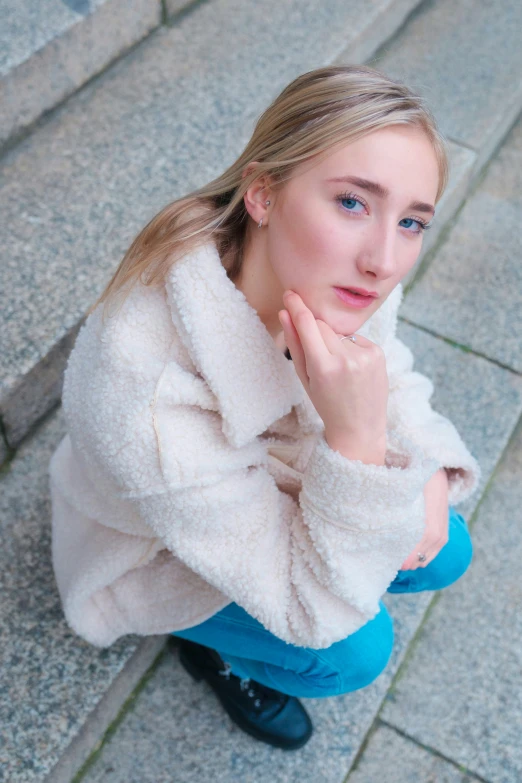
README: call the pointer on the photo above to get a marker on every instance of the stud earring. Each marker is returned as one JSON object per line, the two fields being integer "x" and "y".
{"x": 267, "y": 202}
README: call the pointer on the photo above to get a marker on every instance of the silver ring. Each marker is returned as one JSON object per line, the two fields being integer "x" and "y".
{"x": 421, "y": 558}
{"x": 348, "y": 337}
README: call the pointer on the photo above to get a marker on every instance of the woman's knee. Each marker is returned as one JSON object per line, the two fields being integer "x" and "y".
{"x": 374, "y": 647}
{"x": 363, "y": 656}
{"x": 345, "y": 666}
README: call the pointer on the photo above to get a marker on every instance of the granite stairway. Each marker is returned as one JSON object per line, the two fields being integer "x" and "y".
{"x": 110, "y": 110}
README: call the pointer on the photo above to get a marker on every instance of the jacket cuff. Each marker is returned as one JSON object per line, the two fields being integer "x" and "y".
{"x": 462, "y": 469}
{"x": 348, "y": 492}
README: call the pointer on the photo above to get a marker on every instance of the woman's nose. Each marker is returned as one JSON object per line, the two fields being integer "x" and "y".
{"x": 380, "y": 255}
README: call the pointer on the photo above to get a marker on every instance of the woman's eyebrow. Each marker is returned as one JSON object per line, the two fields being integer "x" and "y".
{"x": 382, "y": 192}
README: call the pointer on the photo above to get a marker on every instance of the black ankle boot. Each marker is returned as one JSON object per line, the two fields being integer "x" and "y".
{"x": 264, "y": 713}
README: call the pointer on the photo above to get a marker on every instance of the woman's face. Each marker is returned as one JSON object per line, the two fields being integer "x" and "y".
{"x": 324, "y": 231}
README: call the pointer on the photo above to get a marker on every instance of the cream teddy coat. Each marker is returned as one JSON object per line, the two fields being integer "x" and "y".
{"x": 195, "y": 472}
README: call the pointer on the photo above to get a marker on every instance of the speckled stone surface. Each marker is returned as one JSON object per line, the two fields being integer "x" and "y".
{"x": 48, "y": 50}
{"x": 394, "y": 759}
{"x": 465, "y": 58}
{"x": 473, "y": 294}
{"x": 165, "y": 119}
{"x": 3, "y": 450}
{"x": 175, "y": 6}
{"x": 38, "y": 389}
{"x": 201, "y": 742}
{"x": 460, "y": 693}
{"x": 50, "y": 679}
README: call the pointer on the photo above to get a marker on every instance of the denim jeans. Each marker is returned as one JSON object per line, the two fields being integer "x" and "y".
{"x": 347, "y": 665}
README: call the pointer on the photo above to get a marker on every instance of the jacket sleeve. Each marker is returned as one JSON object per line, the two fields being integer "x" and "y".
{"x": 311, "y": 571}
{"x": 410, "y": 412}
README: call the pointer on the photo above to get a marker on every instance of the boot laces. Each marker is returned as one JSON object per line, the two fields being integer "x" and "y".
{"x": 226, "y": 671}
{"x": 255, "y": 690}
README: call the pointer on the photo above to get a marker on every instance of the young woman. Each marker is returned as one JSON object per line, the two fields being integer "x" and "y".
{"x": 251, "y": 461}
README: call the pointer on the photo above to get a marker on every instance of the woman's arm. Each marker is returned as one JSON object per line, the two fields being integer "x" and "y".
{"x": 436, "y": 530}
{"x": 312, "y": 570}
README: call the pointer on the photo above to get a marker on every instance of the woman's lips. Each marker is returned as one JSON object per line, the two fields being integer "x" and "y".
{"x": 354, "y": 300}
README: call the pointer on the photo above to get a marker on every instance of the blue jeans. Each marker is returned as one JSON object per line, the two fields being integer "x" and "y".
{"x": 346, "y": 665}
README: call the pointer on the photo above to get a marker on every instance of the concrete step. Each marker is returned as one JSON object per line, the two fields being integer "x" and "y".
{"x": 75, "y": 194}
{"x": 161, "y": 121}
{"x": 457, "y": 695}
{"x": 59, "y": 694}
{"x": 403, "y": 761}
{"x": 473, "y": 294}
{"x": 48, "y": 50}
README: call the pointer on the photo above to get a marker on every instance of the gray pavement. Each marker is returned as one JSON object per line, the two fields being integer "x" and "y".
{"x": 391, "y": 757}
{"x": 53, "y": 685}
{"x": 472, "y": 294}
{"x": 460, "y": 693}
{"x": 50, "y": 49}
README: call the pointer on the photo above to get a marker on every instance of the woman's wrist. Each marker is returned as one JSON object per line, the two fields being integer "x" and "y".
{"x": 370, "y": 452}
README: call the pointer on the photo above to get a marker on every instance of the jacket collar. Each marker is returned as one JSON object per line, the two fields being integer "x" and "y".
{"x": 254, "y": 383}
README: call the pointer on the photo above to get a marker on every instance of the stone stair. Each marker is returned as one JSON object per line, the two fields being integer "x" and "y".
{"x": 49, "y": 50}
{"x": 166, "y": 116}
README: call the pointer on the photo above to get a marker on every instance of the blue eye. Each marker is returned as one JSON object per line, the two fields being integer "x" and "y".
{"x": 349, "y": 201}
{"x": 421, "y": 226}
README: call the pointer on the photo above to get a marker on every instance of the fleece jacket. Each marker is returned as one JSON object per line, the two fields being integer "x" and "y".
{"x": 195, "y": 472}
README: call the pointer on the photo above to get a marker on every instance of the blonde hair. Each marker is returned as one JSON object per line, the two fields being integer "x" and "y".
{"x": 315, "y": 112}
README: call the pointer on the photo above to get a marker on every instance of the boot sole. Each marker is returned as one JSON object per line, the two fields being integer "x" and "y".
{"x": 236, "y": 715}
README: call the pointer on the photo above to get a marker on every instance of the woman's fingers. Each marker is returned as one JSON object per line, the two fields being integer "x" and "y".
{"x": 294, "y": 345}
{"x": 347, "y": 384}
{"x": 307, "y": 330}
{"x": 310, "y": 340}
{"x": 337, "y": 346}
{"x": 424, "y": 547}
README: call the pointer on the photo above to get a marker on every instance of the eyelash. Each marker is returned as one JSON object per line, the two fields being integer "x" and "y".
{"x": 424, "y": 225}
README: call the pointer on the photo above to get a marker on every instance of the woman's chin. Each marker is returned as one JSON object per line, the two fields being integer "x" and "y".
{"x": 345, "y": 325}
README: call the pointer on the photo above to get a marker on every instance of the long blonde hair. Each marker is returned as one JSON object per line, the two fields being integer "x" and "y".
{"x": 315, "y": 112}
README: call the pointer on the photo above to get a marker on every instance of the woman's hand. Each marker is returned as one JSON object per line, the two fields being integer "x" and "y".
{"x": 347, "y": 382}
{"x": 437, "y": 518}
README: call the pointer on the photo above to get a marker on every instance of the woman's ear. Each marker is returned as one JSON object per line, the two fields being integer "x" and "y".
{"x": 257, "y": 195}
